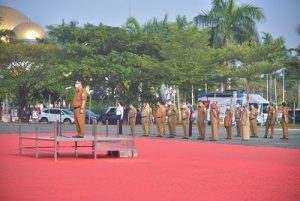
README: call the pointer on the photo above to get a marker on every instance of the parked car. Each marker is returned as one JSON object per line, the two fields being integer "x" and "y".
{"x": 90, "y": 116}
{"x": 111, "y": 117}
{"x": 54, "y": 114}
{"x": 297, "y": 116}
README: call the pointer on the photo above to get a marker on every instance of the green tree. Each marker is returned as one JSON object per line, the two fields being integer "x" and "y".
{"x": 230, "y": 23}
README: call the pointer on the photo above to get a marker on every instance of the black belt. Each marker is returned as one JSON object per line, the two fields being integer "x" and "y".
{"x": 76, "y": 107}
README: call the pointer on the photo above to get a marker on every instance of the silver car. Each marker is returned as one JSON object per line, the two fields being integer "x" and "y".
{"x": 54, "y": 114}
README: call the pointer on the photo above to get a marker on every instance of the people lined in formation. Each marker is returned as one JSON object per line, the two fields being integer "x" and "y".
{"x": 245, "y": 120}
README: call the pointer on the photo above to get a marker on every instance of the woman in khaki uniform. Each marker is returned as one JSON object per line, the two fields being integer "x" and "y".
{"x": 185, "y": 115}
{"x": 214, "y": 120}
{"x": 253, "y": 121}
{"x": 159, "y": 120}
{"x": 228, "y": 122}
{"x": 202, "y": 113}
{"x": 145, "y": 119}
{"x": 245, "y": 121}
{"x": 285, "y": 121}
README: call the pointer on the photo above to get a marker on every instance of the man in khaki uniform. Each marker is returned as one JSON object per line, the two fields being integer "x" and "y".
{"x": 146, "y": 119}
{"x": 253, "y": 121}
{"x": 160, "y": 119}
{"x": 202, "y": 114}
{"x": 172, "y": 117}
{"x": 245, "y": 122}
{"x": 238, "y": 119}
{"x": 228, "y": 122}
{"x": 132, "y": 118}
{"x": 285, "y": 121}
{"x": 79, "y": 102}
{"x": 214, "y": 120}
{"x": 185, "y": 117}
{"x": 270, "y": 123}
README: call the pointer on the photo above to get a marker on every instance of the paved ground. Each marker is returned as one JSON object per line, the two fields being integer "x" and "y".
{"x": 293, "y": 142}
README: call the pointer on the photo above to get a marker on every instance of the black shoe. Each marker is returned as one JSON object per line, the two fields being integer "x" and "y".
{"x": 256, "y": 136}
{"x": 200, "y": 138}
{"x": 171, "y": 136}
{"x": 265, "y": 136}
{"x": 271, "y": 137}
{"x": 213, "y": 140}
{"x": 185, "y": 138}
{"x": 78, "y": 136}
{"x": 159, "y": 136}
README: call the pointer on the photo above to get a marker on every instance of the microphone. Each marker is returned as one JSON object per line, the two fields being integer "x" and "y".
{"x": 67, "y": 88}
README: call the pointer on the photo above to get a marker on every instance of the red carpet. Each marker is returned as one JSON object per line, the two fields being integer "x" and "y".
{"x": 164, "y": 170}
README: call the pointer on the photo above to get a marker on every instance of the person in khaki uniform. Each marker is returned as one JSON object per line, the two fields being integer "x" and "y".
{"x": 132, "y": 118}
{"x": 270, "y": 123}
{"x": 172, "y": 117}
{"x": 245, "y": 122}
{"x": 146, "y": 119}
{"x": 79, "y": 102}
{"x": 228, "y": 122}
{"x": 163, "y": 118}
{"x": 202, "y": 114}
{"x": 214, "y": 120}
{"x": 185, "y": 117}
{"x": 253, "y": 121}
{"x": 237, "y": 117}
{"x": 285, "y": 121}
{"x": 160, "y": 119}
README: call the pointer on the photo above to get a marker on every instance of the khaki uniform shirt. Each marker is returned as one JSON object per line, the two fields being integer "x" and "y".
{"x": 185, "y": 113}
{"x": 228, "y": 117}
{"x": 171, "y": 111}
{"x": 271, "y": 114}
{"x": 214, "y": 115}
{"x": 80, "y": 95}
{"x": 253, "y": 113}
{"x": 132, "y": 113}
{"x": 202, "y": 113}
{"x": 285, "y": 116}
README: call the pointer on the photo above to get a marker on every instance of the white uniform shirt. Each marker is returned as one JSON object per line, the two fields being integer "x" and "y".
{"x": 120, "y": 111}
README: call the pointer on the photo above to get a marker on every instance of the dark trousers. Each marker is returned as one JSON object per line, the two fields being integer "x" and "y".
{"x": 190, "y": 128}
{"x": 120, "y": 124}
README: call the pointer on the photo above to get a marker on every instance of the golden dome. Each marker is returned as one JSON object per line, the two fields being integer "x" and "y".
{"x": 10, "y": 18}
{"x": 29, "y": 31}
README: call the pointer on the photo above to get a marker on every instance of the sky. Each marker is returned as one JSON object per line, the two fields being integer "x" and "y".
{"x": 282, "y": 16}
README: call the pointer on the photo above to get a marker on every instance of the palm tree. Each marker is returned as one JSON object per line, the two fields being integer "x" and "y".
{"x": 230, "y": 23}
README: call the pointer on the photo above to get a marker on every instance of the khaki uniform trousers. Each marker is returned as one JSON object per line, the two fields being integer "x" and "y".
{"x": 79, "y": 121}
{"x": 253, "y": 128}
{"x": 145, "y": 125}
{"x": 285, "y": 130}
{"x": 201, "y": 129}
{"x": 132, "y": 125}
{"x": 238, "y": 127}
{"x": 269, "y": 125}
{"x": 215, "y": 131}
{"x": 229, "y": 132}
{"x": 245, "y": 131}
{"x": 159, "y": 126}
{"x": 172, "y": 125}
{"x": 185, "y": 126}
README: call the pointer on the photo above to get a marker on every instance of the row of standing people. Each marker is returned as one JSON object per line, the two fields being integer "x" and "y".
{"x": 246, "y": 120}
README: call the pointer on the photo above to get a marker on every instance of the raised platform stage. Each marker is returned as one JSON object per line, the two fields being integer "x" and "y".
{"x": 120, "y": 146}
